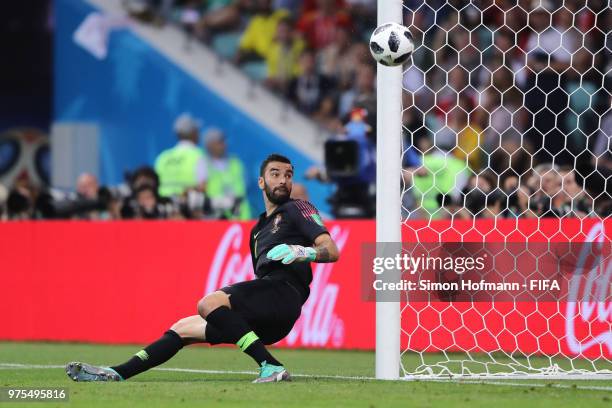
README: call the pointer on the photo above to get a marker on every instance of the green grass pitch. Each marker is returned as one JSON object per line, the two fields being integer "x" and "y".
{"x": 324, "y": 379}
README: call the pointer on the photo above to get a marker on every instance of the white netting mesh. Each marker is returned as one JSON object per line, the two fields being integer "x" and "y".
{"x": 507, "y": 137}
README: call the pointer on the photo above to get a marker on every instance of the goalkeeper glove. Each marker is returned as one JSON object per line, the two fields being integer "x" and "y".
{"x": 292, "y": 253}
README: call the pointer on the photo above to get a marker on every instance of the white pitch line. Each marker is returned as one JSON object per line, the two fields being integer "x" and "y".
{"x": 193, "y": 370}
{"x": 9, "y": 366}
{"x": 534, "y": 385}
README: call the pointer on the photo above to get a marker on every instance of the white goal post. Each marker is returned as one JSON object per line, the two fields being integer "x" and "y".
{"x": 388, "y": 199}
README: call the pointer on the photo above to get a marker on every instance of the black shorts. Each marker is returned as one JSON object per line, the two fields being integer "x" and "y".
{"x": 270, "y": 307}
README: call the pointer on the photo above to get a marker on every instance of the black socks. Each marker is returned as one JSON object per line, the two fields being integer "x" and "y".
{"x": 231, "y": 323}
{"x": 238, "y": 331}
{"x": 151, "y": 356}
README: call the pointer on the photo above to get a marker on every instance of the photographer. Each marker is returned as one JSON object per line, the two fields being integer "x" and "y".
{"x": 350, "y": 164}
{"x": 20, "y": 203}
{"x": 88, "y": 202}
{"x": 143, "y": 200}
{"x": 88, "y": 190}
{"x": 149, "y": 206}
{"x": 3, "y": 196}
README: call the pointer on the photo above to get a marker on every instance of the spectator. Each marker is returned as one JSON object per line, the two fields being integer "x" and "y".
{"x": 299, "y": 192}
{"x": 308, "y": 89}
{"x": 327, "y": 115}
{"x": 468, "y": 133}
{"x": 292, "y": 6}
{"x": 581, "y": 80}
{"x": 87, "y": 186}
{"x": 220, "y": 15}
{"x": 503, "y": 115}
{"x": 3, "y": 196}
{"x": 363, "y": 15}
{"x": 546, "y": 198}
{"x": 518, "y": 198}
{"x": 511, "y": 158}
{"x": 485, "y": 182}
{"x": 146, "y": 178}
{"x": 496, "y": 204}
{"x": 573, "y": 200}
{"x": 226, "y": 187}
{"x": 283, "y": 57}
{"x": 363, "y": 94}
{"x": 602, "y": 148}
{"x": 155, "y": 11}
{"x": 448, "y": 96}
{"x": 549, "y": 52}
{"x": 600, "y": 188}
{"x": 20, "y": 203}
{"x": 88, "y": 190}
{"x": 335, "y": 60}
{"x": 312, "y": 5}
{"x": 149, "y": 206}
{"x": 413, "y": 129}
{"x": 451, "y": 208}
{"x": 259, "y": 35}
{"x": 440, "y": 173}
{"x": 190, "y": 16}
{"x": 146, "y": 199}
{"x": 319, "y": 26}
{"x": 182, "y": 167}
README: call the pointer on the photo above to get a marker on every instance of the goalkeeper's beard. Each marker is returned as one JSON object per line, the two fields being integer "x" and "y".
{"x": 277, "y": 196}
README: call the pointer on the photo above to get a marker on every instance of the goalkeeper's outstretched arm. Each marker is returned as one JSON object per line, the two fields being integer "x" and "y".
{"x": 326, "y": 249}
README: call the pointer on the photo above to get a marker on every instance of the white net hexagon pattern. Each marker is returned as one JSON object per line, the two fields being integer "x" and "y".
{"x": 507, "y": 136}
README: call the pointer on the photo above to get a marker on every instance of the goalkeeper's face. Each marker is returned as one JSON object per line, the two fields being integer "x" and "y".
{"x": 277, "y": 182}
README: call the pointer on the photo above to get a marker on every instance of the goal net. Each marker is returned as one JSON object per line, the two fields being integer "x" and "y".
{"x": 506, "y": 139}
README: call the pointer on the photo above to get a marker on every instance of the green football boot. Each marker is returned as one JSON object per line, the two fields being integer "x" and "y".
{"x": 82, "y": 372}
{"x": 272, "y": 373}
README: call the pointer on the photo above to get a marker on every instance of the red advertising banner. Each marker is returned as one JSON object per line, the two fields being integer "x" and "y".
{"x": 127, "y": 282}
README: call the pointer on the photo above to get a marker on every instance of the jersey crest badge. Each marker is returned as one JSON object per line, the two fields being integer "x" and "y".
{"x": 277, "y": 221}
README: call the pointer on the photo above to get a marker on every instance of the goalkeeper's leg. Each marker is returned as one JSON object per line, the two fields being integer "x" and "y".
{"x": 258, "y": 301}
{"x": 252, "y": 314}
{"x": 216, "y": 309}
{"x": 186, "y": 331}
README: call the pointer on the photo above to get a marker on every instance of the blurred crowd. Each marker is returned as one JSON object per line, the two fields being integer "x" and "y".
{"x": 197, "y": 178}
{"x": 506, "y": 103}
{"x": 518, "y": 91}
{"x": 500, "y": 95}
{"x": 313, "y": 52}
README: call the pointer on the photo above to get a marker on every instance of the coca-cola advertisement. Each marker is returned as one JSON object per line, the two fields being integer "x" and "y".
{"x": 161, "y": 270}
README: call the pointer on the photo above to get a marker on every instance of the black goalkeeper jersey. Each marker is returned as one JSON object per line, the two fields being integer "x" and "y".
{"x": 296, "y": 222}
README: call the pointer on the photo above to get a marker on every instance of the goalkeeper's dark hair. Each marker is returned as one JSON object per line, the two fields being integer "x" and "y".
{"x": 274, "y": 157}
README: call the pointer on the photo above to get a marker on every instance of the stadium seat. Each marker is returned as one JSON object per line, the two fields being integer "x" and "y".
{"x": 256, "y": 70}
{"x": 580, "y": 98}
{"x": 226, "y": 44}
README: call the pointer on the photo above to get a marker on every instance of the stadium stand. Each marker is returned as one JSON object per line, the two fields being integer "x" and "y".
{"x": 468, "y": 82}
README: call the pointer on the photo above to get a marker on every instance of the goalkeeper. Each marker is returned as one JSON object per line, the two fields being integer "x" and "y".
{"x": 287, "y": 237}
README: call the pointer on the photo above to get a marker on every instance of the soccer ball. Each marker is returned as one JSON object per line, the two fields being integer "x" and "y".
{"x": 391, "y": 44}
